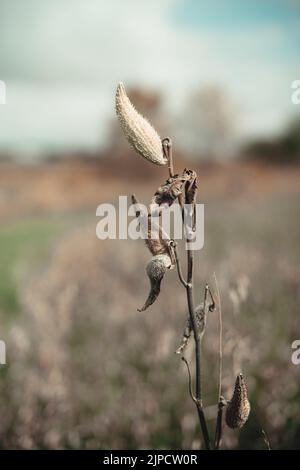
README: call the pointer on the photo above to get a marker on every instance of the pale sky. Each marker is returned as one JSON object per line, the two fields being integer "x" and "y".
{"x": 62, "y": 59}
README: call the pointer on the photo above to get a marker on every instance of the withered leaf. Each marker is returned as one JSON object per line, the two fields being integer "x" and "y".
{"x": 170, "y": 190}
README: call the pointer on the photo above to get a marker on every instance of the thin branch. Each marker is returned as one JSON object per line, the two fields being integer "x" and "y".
{"x": 205, "y": 297}
{"x": 266, "y": 439}
{"x": 197, "y": 338}
{"x": 220, "y": 336}
{"x": 178, "y": 264}
{"x": 213, "y": 304}
{"x": 167, "y": 149}
{"x": 190, "y": 379}
{"x": 218, "y": 433}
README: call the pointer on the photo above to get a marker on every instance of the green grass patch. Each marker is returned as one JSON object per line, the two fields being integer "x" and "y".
{"x": 22, "y": 244}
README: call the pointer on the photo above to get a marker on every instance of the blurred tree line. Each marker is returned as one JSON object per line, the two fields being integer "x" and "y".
{"x": 283, "y": 150}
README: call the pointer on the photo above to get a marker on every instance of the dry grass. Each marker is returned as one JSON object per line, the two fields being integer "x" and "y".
{"x": 86, "y": 370}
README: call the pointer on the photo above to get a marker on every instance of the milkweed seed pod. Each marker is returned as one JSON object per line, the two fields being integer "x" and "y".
{"x": 160, "y": 247}
{"x": 138, "y": 131}
{"x": 156, "y": 269}
{"x": 201, "y": 316}
{"x": 238, "y": 410}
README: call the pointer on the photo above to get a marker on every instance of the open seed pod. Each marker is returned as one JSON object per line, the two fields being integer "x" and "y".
{"x": 156, "y": 269}
{"x": 158, "y": 243}
{"x": 238, "y": 410}
{"x": 138, "y": 131}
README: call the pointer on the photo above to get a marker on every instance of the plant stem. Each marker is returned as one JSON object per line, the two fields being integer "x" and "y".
{"x": 197, "y": 338}
{"x": 218, "y": 433}
{"x": 167, "y": 147}
{"x": 178, "y": 264}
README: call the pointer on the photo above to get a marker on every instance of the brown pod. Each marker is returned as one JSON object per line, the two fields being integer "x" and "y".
{"x": 238, "y": 410}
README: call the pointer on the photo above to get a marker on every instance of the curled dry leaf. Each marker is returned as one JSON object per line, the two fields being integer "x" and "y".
{"x": 201, "y": 317}
{"x": 191, "y": 186}
{"x": 138, "y": 131}
{"x": 156, "y": 239}
{"x": 238, "y": 410}
{"x": 169, "y": 191}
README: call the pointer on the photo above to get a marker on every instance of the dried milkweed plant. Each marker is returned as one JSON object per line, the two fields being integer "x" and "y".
{"x": 181, "y": 189}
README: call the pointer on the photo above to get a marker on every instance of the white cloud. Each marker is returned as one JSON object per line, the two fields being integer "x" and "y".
{"x": 63, "y": 60}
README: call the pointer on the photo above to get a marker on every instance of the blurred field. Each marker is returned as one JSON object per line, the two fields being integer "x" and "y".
{"x": 84, "y": 368}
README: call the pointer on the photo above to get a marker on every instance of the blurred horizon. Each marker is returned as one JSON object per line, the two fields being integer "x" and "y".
{"x": 61, "y": 63}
